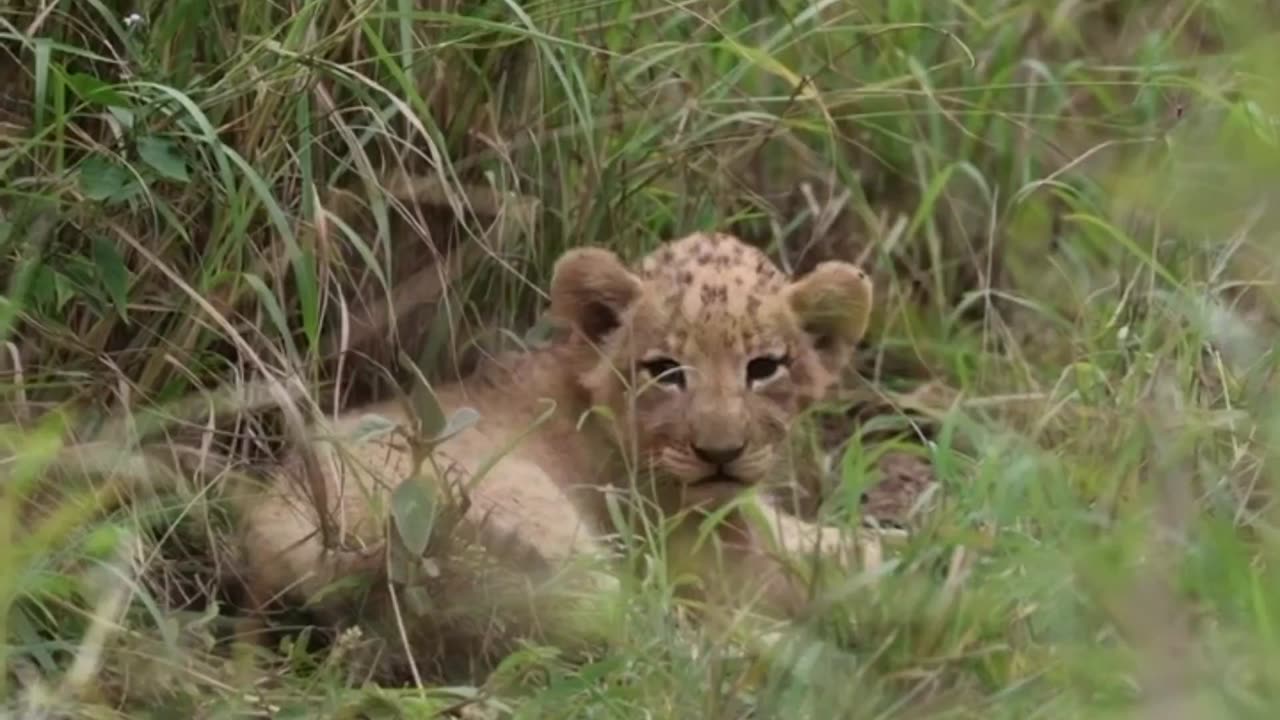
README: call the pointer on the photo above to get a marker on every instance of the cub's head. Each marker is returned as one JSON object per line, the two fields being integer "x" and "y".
{"x": 705, "y": 352}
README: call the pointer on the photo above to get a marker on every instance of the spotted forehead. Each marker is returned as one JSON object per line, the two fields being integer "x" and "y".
{"x": 713, "y": 287}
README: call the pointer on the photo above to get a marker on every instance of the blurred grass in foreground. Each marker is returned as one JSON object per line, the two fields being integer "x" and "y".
{"x": 1068, "y": 208}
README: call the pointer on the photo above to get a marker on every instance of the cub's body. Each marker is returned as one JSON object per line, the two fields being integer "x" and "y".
{"x": 672, "y": 394}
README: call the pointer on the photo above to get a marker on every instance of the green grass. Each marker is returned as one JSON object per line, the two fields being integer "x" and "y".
{"x": 1068, "y": 208}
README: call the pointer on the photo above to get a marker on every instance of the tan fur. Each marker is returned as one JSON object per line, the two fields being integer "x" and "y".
{"x": 720, "y": 316}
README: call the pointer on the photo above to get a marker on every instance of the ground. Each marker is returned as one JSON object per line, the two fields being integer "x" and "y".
{"x": 1064, "y": 406}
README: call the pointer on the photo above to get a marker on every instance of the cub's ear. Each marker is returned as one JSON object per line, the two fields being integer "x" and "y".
{"x": 591, "y": 289}
{"x": 833, "y": 305}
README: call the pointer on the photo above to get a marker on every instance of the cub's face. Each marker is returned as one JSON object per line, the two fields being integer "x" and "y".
{"x": 706, "y": 352}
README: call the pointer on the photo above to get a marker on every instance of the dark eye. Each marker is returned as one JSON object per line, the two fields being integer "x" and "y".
{"x": 764, "y": 368}
{"x": 665, "y": 371}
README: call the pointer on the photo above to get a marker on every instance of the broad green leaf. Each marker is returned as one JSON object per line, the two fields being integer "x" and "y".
{"x": 91, "y": 89}
{"x": 124, "y": 116}
{"x": 414, "y": 509}
{"x": 401, "y": 567}
{"x": 113, "y": 273}
{"x": 107, "y": 181}
{"x": 163, "y": 157}
{"x": 426, "y": 407}
{"x": 462, "y": 418}
{"x": 372, "y": 426}
{"x": 44, "y": 288}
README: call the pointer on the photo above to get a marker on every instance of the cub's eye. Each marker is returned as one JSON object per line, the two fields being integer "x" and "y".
{"x": 764, "y": 368}
{"x": 665, "y": 371}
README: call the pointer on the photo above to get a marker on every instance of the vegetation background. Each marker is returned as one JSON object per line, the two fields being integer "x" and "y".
{"x": 211, "y": 207}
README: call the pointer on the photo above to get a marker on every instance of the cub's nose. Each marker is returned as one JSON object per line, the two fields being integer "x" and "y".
{"x": 718, "y": 456}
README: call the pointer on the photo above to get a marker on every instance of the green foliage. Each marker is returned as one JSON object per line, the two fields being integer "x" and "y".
{"x": 1068, "y": 209}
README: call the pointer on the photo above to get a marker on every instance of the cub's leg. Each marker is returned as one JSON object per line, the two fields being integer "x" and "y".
{"x": 771, "y": 556}
{"x": 559, "y": 584}
{"x": 800, "y": 538}
{"x": 516, "y": 514}
{"x": 535, "y": 575}
{"x": 517, "y": 510}
{"x": 282, "y": 544}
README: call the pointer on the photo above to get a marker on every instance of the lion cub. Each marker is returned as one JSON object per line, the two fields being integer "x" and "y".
{"x": 671, "y": 392}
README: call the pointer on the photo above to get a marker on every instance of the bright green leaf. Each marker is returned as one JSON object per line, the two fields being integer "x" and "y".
{"x": 163, "y": 157}
{"x": 91, "y": 89}
{"x": 107, "y": 181}
{"x": 462, "y": 418}
{"x": 124, "y": 116}
{"x": 103, "y": 541}
{"x": 44, "y": 287}
{"x": 413, "y": 507}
